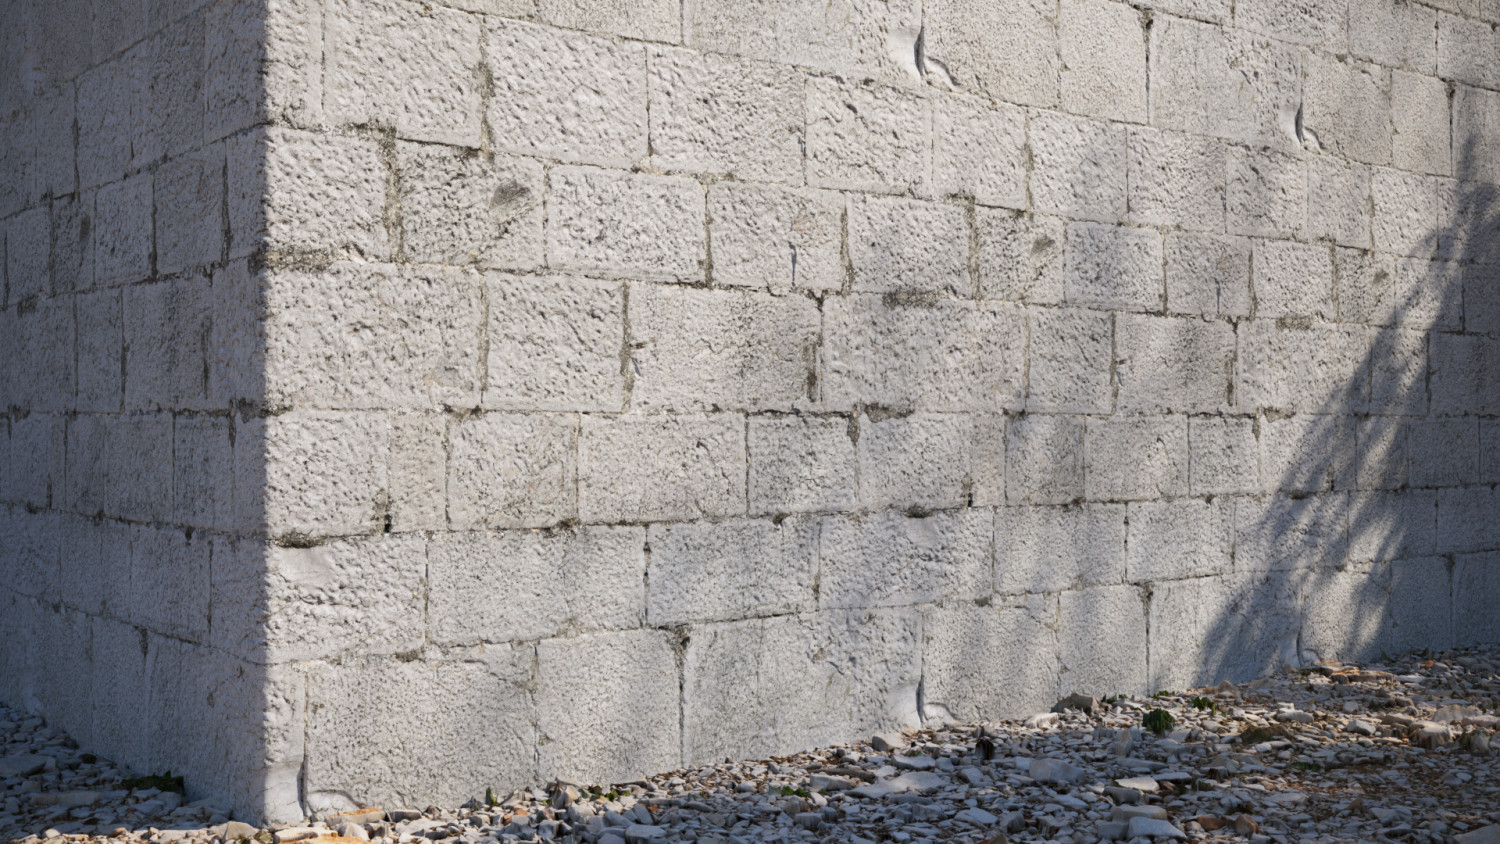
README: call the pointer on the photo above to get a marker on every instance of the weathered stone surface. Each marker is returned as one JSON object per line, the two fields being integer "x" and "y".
{"x": 890, "y": 559}
{"x": 732, "y": 570}
{"x": 699, "y": 470}
{"x": 508, "y": 470}
{"x": 1052, "y": 549}
{"x": 768, "y": 236}
{"x": 801, "y": 464}
{"x": 866, "y": 137}
{"x": 555, "y": 343}
{"x": 462, "y": 207}
{"x": 625, "y": 224}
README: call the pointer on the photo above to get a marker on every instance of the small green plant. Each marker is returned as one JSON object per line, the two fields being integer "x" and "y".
{"x": 160, "y": 782}
{"x": 1205, "y": 704}
{"x": 1259, "y": 735}
{"x": 1161, "y": 694}
{"x": 1158, "y": 721}
{"x": 1113, "y": 699}
{"x": 1306, "y": 766}
{"x": 489, "y": 796}
{"x": 788, "y": 791}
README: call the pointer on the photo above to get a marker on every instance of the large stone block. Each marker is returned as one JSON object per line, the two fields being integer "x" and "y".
{"x": 404, "y": 65}
{"x": 866, "y": 137}
{"x": 73, "y": 243}
{"x": 696, "y": 350}
{"x": 320, "y": 473}
{"x": 1020, "y": 257}
{"x": 1070, "y": 361}
{"x": 657, "y": 20}
{"x": 750, "y": 128}
{"x": 628, "y": 224}
{"x": 732, "y": 570}
{"x": 1078, "y": 167}
{"x": 946, "y": 356}
{"x": 1319, "y": 23}
{"x": 1276, "y": 533}
{"x": 1176, "y": 180}
{"x": 169, "y": 582}
{"x": 1293, "y": 280}
{"x": 167, "y": 108}
{"x": 801, "y": 464}
{"x": 1476, "y": 154}
{"x": 1266, "y": 193}
{"x": 554, "y": 343}
{"x": 1173, "y": 364}
{"x": 510, "y": 470}
{"x": 94, "y": 565}
{"x": 978, "y": 151}
{"x": 1212, "y": 80}
{"x": 608, "y": 706}
{"x": 1114, "y": 267}
{"x": 1466, "y": 52}
{"x": 1294, "y": 367}
{"x": 517, "y": 585}
{"x": 768, "y": 236}
{"x": 1421, "y": 607}
{"x": 1393, "y": 524}
{"x": 190, "y": 210}
{"x": 1102, "y": 642}
{"x": 1135, "y": 457}
{"x": 1006, "y": 50}
{"x": 566, "y": 95}
{"x": 450, "y": 706}
{"x": 1405, "y": 212}
{"x": 696, "y": 467}
{"x": 1307, "y": 452}
{"x": 1394, "y": 33}
{"x": 1465, "y": 520}
{"x": 1234, "y": 627}
{"x": 419, "y": 472}
{"x": 464, "y": 207}
{"x": 31, "y": 564}
{"x": 35, "y": 467}
{"x": 1102, "y": 46}
{"x": 1347, "y": 107}
{"x": 1422, "y": 130}
{"x": 1464, "y": 374}
{"x": 167, "y": 330}
{"x": 1053, "y": 549}
{"x": 123, "y": 231}
{"x": 1044, "y": 460}
{"x": 299, "y": 192}
{"x": 1445, "y": 451}
{"x": 1176, "y": 540}
{"x": 27, "y": 256}
{"x": 117, "y": 681}
{"x": 139, "y": 467}
{"x": 891, "y": 559}
{"x": 1383, "y": 452}
{"x": 908, "y": 245}
{"x": 104, "y": 96}
{"x": 846, "y": 36}
{"x": 1338, "y": 201}
{"x": 1208, "y": 274}
{"x": 989, "y": 663}
{"x": 1224, "y": 455}
{"x": 202, "y": 472}
{"x": 404, "y": 338}
{"x": 921, "y": 460}
{"x": 264, "y": 61}
{"x": 770, "y": 686}
{"x": 1476, "y": 579}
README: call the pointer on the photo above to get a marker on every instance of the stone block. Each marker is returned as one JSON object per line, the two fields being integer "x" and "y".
{"x": 1463, "y": 374}
{"x": 978, "y": 151}
{"x": 1276, "y": 533}
{"x": 169, "y": 582}
{"x": 324, "y": 473}
{"x": 891, "y": 559}
{"x": 1489, "y": 451}
{"x": 1114, "y": 267}
{"x": 1383, "y": 453}
{"x": 1421, "y": 608}
{"x": 1071, "y": 358}
{"x": 1306, "y": 453}
{"x": 865, "y": 40}
{"x": 555, "y": 343}
{"x": 698, "y": 350}
{"x": 73, "y": 243}
{"x": 264, "y": 62}
{"x": 1044, "y": 460}
{"x": 1102, "y": 641}
{"x": 94, "y": 566}
{"x": 1465, "y": 521}
{"x": 1234, "y": 627}
{"x": 1392, "y": 524}
{"x": 510, "y": 470}
{"x": 32, "y": 545}
{"x": 35, "y": 466}
{"x": 907, "y": 245}
{"x": 1347, "y": 107}
{"x": 1405, "y": 208}
{"x": 1176, "y": 180}
{"x": 768, "y": 686}
{"x": 464, "y": 207}
{"x": 1476, "y": 152}
{"x": 774, "y": 237}
{"x": 1399, "y": 365}
{"x": 696, "y": 470}
{"x": 1054, "y": 549}
{"x": 190, "y": 210}
{"x": 1466, "y": 52}
{"x": 515, "y": 585}
{"x": 1020, "y": 257}
{"x": 1445, "y": 451}
{"x": 987, "y": 461}
{"x": 451, "y": 706}
{"x": 376, "y": 355}
{"x": 594, "y": 725}
{"x": 1173, "y": 364}
{"x": 167, "y": 331}
{"x": 139, "y": 469}
{"x": 167, "y": 109}
{"x": 1266, "y": 193}
{"x": 1207, "y": 274}
{"x": 202, "y": 466}
{"x": 988, "y": 663}
{"x": 41, "y": 342}
{"x": 946, "y": 356}
{"x": 236, "y": 361}
{"x": 1338, "y": 202}
{"x": 105, "y": 94}
{"x": 750, "y": 128}
{"x": 1006, "y": 51}
{"x": 405, "y": 65}
{"x": 1102, "y": 46}
{"x": 1295, "y": 367}
{"x": 297, "y": 192}
{"x": 1481, "y": 298}
{"x": 28, "y": 256}
{"x": 732, "y": 570}
{"x": 1394, "y": 33}
{"x": 1318, "y": 23}
{"x": 1345, "y": 612}
{"x": 1176, "y": 540}
{"x": 1293, "y": 280}
{"x": 1227, "y": 83}
{"x": 1224, "y": 455}
{"x": 657, "y": 20}
{"x": 1476, "y": 581}
{"x": 419, "y": 472}
{"x": 117, "y": 680}
{"x": 1135, "y": 457}
{"x": 648, "y": 227}
{"x": 123, "y": 231}
{"x": 1421, "y": 129}
{"x": 801, "y": 464}
{"x": 869, "y": 138}
{"x": 1078, "y": 167}
{"x": 921, "y": 460}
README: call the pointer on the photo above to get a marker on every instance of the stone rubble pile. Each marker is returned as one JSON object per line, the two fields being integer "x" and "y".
{"x": 1404, "y": 752}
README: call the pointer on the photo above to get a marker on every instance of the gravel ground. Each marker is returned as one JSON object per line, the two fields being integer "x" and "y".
{"x": 1397, "y": 752}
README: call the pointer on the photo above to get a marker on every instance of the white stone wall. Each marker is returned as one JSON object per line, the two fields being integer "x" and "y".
{"x": 591, "y": 389}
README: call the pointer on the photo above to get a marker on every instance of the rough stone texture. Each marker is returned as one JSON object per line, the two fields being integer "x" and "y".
{"x": 665, "y": 381}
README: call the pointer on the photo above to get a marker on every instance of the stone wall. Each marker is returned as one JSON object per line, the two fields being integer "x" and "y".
{"x": 553, "y": 388}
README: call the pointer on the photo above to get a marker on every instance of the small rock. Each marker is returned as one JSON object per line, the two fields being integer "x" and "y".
{"x": 1483, "y": 835}
{"x": 1122, "y": 745}
{"x": 1087, "y": 704}
{"x": 1154, "y": 828}
{"x": 977, "y": 817}
{"x": 1126, "y": 796}
{"x": 638, "y": 833}
{"x": 1043, "y": 721}
{"x": 1147, "y": 785}
{"x": 296, "y": 833}
{"x": 1113, "y": 830}
{"x": 808, "y": 820}
{"x": 1454, "y": 713}
{"x": 353, "y": 830}
{"x": 1294, "y": 716}
{"x": 824, "y": 782}
{"x": 1360, "y": 727}
{"x": 235, "y": 830}
{"x": 399, "y": 815}
{"x": 23, "y": 765}
{"x": 886, "y": 742}
{"x": 920, "y": 762}
{"x": 1128, "y": 813}
{"x": 1056, "y": 771}
{"x": 1428, "y": 734}
{"x": 610, "y": 838}
{"x": 971, "y": 775}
